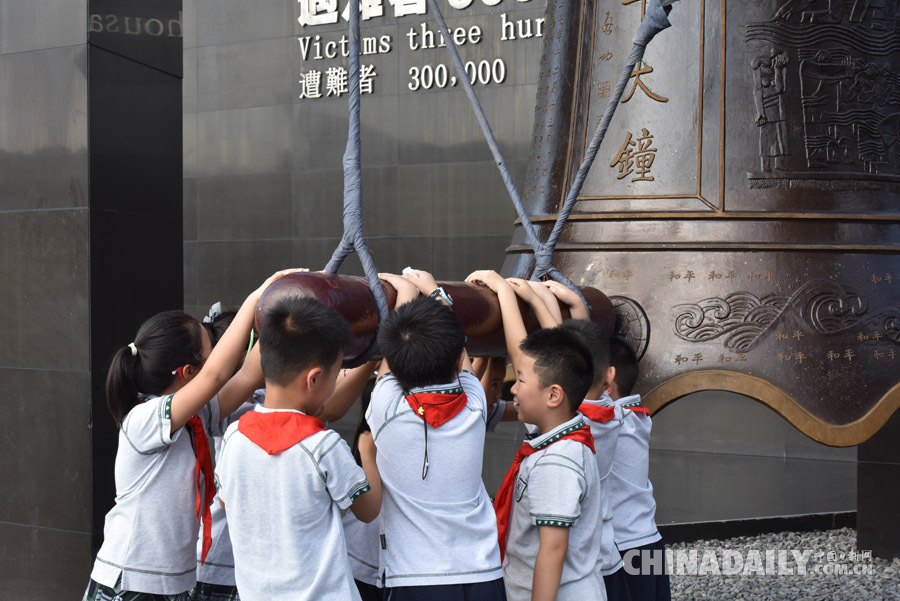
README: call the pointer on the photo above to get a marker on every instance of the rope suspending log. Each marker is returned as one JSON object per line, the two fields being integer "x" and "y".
{"x": 655, "y": 20}
{"x": 353, "y": 238}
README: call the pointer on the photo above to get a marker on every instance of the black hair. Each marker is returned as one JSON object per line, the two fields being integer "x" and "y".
{"x": 422, "y": 341}
{"x": 561, "y": 356}
{"x": 363, "y": 426}
{"x": 624, "y": 359}
{"x": 163, "y": 343}
{"x": 597, "y": 341}
{"x": 216, "y": 328}
{"x": 299, "y": 333}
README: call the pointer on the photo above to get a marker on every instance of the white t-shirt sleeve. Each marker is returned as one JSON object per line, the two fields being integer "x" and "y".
{"x": 148, "y": 426}
{"x": 556, "y": 487}
{"x": 386, "y": 389}
{"x": 344, "y": 479}
{"x": 474, "y": 392}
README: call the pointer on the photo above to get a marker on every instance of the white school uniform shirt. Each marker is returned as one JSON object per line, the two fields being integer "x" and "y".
{"x": 219, "y": 565}
{"x": 606, "y": 435}
{"x": 150, "y": 534}
{"x": 363, "y": 548}
{"x": 440, "y": 529}
{"x": 284, "y": 515}
{"x": 630, "y": 490}
{"x": 559, "y": 485}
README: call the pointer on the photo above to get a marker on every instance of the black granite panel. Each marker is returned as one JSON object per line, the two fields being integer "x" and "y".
{"x": 318, "y": 200}
{"x": 878, "y": 514}
{"x": 226, "y": 21}
{"x": 45, "y": 412}
{"x": 190, "y": 158}
{"x": 241, "y": 207}
{"x": 43, "y": 564}
{"x": 43, "y": 109}
{"x": 189, "y": 81}
{"x": 146, "y": 31}
{"x": 398, "y": 201}
{"x": 191, "y": 277}
{"x": 189, "y": 20}
{"x": 320, "y": 135}
{"x": 878, "y": 482}
{"x": 257, "y": 73}
{"x": 249, "y": 140}
{"x": 476, "y": 202}
{"x": 41, "y": 24}
{"x": 135, "y": 154}
{"x": 455, "y": 257}
{"x": 692, "y": 487}
{"x": 229, "y": 271}
{"x": 44, "y": 263}
{"x": 314, "y": 253}
{"x": 393, "y": 254}
{"x": 189, "y": 207}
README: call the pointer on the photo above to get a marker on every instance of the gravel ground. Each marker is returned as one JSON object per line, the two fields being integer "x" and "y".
{"x": 880, "y": 578}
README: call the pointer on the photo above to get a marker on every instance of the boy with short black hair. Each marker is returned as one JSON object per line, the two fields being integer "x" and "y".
{"x": 605, "y": 420}
{"x": 283, "y": 477}
{"x": 427, "y": 415}
{"x": 630, "y": 490}
{"x": 549, "y": 511}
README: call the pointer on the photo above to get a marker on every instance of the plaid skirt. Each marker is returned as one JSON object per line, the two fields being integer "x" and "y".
{"x": 214, "y": 592}
{"x": 98, "y": 592}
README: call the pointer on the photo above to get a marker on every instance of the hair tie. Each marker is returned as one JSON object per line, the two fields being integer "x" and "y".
{"x": 133, "y": 349}
{"x": 214, "y": 312}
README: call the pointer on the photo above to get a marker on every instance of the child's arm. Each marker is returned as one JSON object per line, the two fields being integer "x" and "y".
{"x": 349, "y": 386}
{"x": 221, "y": 363}
{"x": 513, "y": 326}
{"x": 549, "y": 564}
{"x": 481, "y": 367}
{"x": 240, "y": 387}
{"x": 528, "y": 294}
{"x": 406, "y": 292}
{"x": 368, "y": 505}
{"x": 549, "y": 300}
{"x": 576, "y": 307}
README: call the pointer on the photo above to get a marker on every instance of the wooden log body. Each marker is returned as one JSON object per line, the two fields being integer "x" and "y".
{"x": 476, "y": 306}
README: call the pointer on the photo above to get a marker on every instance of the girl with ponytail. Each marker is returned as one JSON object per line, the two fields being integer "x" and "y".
{"x": 166, "y": 390}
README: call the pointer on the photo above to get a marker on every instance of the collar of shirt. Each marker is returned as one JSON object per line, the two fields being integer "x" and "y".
{"x": 263, "y": 409}
{"x": 633, "y": 400}
{"x": 558, "y": 432}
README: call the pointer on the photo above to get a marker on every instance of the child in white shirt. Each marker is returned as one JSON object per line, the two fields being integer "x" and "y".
{"x": 283, "y": 477}
{"x": 427, "y": 416}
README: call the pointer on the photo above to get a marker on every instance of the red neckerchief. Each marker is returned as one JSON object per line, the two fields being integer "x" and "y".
{"x": 437, "y": 408}
{"x": 597, "y": 413}
{"x": 276, "y": 431}
{"x": 639, "y": 409}
{"x": 208, "y": 491}
{"x": 504, "y": 499}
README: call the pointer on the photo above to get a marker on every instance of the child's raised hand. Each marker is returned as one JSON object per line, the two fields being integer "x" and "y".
{"x": 489, "y": 278}
{"x": 406, "y": 291}
{"x": 523, "y": 290}
{"x": 422, "y": 280}
{"x": 569, "y": 298}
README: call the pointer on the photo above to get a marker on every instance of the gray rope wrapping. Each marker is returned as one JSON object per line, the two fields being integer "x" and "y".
{"x": 353, "y": 238}
{"x": 655, "y": 20}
